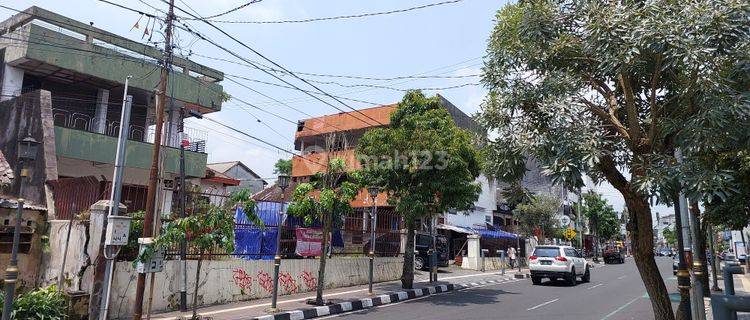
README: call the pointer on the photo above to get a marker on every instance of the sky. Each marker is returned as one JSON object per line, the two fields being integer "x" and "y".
{"x": 445, "y": 40}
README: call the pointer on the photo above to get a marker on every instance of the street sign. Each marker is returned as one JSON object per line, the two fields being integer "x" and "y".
{"x": 565, "y": 221}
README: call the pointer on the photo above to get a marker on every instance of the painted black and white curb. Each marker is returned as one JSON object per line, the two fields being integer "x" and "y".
{"x": 367, "y": 303}
{"x": 354, "y": 305}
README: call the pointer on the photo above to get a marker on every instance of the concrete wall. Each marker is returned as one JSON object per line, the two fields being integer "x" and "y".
{"x": 237, "y": 280}
{"x": 78, "y": 258}
{"x": 30, "y": 114}
{"x": 28, "y": 262}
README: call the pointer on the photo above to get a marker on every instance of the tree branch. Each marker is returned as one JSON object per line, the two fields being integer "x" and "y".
{"x": 608, "y": 118}
{"x": 655, "y": 110}
{"x": 607, "y": 166}
{"x": 634, "y": 126}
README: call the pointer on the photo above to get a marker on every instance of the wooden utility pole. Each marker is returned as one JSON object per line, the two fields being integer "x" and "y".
{"x": 148, "y": 220}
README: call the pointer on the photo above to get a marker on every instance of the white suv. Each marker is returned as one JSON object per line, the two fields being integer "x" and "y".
{"x": 558, "y": 262}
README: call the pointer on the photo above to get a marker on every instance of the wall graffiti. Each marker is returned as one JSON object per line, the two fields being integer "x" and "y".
{"x": 310, "y": 281}
{"x": 286, "y": 280}
{"x": 242, "y": 279}
{"x": 265, "y": 281}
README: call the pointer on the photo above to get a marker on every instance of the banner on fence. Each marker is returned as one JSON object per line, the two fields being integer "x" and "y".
{"x": 309, "y": 241}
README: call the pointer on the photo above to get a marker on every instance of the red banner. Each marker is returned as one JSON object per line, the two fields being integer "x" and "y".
{"x": 309, "y": 242}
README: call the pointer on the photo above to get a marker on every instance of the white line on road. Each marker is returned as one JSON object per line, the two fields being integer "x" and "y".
{"x": 589, "y": 288}
{"x": 541, "y": 305}
{"x": 621, "y": 277}
{"x": 620, "y": 308}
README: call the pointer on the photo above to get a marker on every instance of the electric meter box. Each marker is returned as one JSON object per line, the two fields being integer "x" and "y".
{"x": 155, "y": 263}
{"x": 118, "y": 229}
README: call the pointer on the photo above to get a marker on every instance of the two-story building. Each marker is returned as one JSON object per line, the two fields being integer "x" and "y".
{"x": 62, "y": 83}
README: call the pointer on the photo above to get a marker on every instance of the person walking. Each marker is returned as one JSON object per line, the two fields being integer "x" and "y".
{"x": 512, "y": 256}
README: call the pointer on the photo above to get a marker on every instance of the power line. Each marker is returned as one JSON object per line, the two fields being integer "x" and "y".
{"x": 225, "y": 12}
{"x": 355, "y": 77}
{"x": 351, "y": 16}
{"x": 288, "y": 87}
{"x": 274, "y": 63}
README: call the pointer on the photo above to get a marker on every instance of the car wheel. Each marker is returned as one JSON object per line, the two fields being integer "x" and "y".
{"x": 536, "y": 281}
{"x": 572, "y": 277}
{"x": 586, "y": 276}
{"x": 419, "y": 263}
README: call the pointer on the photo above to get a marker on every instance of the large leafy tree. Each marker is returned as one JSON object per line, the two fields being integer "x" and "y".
{"x": 283, "y": 166}
{"x": 423, "y": 162}
{"x": 326, "y": 198}
{"x": 611, "y": 89}
{"x": 539, "y": 214}
{"x": 601, "y": 215}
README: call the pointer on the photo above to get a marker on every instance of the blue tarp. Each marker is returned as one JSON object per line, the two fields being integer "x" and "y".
{"x": 495, "y": 234}
{"x": 252, "y": 242}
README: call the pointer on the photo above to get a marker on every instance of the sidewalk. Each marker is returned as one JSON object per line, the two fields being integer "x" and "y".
{"x": 256, "y": 308}
{"x": 741, "y": 288}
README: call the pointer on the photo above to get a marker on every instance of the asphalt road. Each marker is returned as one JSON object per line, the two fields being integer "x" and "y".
{"x": 614, "y": 293}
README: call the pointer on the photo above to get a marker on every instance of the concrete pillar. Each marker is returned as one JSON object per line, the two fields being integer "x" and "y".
{"x": 100, "y": 116}
{"x": 171, "y": 128}
{"x": 150, "y": 117}
{"x": 98, "y": 224}
{"x": 12, "y": 82}
{"x": 473, "y": 253}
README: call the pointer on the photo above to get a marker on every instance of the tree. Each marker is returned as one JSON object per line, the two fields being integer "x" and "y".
{"x": 539, "y": 213}
{"x": 596, "y": 87}
{"x": 209, "y": 226}
{"x": 670, "y": 237}
{"x": 424, "y": 163}
{"x": 326, "y": 198}
{"x": 283, "y": 166}
{"x": 602, "y": 216}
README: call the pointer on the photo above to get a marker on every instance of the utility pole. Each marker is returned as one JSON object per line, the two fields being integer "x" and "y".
{"x": 183, "y": 245}
{"x": 683, "y": 275}
{"x": 696, "y": 290}
{"x": 148, "y": 222}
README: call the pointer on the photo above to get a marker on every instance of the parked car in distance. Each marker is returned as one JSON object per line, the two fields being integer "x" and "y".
{"x": 422, "y": 245}
{"x": 612, "y": 255}
{"x": 558, "y": 262}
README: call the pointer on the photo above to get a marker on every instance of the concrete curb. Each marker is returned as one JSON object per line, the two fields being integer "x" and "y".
{"x": 360, "y": 304}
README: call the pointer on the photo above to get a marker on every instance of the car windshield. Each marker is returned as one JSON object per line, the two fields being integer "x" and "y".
{"x": 547, "y": 252}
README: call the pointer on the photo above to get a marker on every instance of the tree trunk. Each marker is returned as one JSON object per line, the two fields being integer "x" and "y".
{"x": 700, "y": 243}
{"x": 323, "y": 258}
{"x": 407, "y": 275}
{"x": 643, "y": 253}
{"x": 197, "y": 282}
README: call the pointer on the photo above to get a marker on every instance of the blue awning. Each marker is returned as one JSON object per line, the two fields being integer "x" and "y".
{"x": 495, "y": 234}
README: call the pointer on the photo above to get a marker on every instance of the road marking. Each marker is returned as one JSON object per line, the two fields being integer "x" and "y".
{"x": 620, "y": 308}
{"x": 589, "y": 288}
{"x": 621, "y": 277}
{"x": 541, "y": 305}
{"x": 206, "y": 313}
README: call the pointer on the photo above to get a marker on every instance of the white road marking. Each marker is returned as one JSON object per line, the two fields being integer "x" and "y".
{"x": 589, "y": 288}
{"x": 621, "y": 277}
{"x": 620, "y": 308}
{"x": 541, "y": 305}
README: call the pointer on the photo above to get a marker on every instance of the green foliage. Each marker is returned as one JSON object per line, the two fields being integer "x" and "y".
{"x": 208, "y": 226}
{"x": 670, "y": 236}
{"x": 42, "y": 304}
{"x": 130, "y": 251}
{"x": 516, "y": 194}
{"x": 602, "y": 217}
{"x": 328, "y": 193}
{"x": 283, "y": 166}
{"x": 423, "y": 161}
{"x": 539, "y": 213}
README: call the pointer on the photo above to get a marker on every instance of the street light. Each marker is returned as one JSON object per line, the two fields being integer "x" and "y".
{"x": 283, "y": 183}
{"x": 27, "y": 150}
{"x": 373, "y": 222}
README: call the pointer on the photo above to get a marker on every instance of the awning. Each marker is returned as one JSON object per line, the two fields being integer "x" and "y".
{"x": 495, "y": 234}
{"x": 456, "y": 228}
